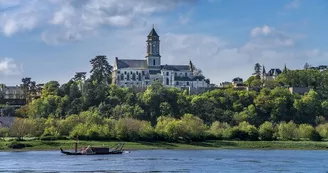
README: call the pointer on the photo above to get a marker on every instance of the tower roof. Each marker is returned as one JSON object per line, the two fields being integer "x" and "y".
{"x": 152, "y": 33}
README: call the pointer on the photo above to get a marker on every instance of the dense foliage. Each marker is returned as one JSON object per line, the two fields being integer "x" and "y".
{"x": 93, "y": 109}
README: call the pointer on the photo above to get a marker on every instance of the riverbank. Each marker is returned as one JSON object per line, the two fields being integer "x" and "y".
{"x": 69, "y": 144}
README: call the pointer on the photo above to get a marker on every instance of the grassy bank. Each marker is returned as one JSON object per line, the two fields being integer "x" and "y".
{"x": 69, "y": 144}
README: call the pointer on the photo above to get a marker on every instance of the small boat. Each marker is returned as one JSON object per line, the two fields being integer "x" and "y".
{"x": 95, "y": 150}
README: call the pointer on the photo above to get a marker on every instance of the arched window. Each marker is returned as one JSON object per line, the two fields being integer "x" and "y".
{"x": 128, "y": 76}
{"x": 167, "y": 81}
{"x": 187, "y": 83}
{"x": 167, "y": 73}
{"x": 133, "y": 76}
{"x": 122, "y": 76}
{"x": 154, "y": 62}
{"x": 139, "y": 76}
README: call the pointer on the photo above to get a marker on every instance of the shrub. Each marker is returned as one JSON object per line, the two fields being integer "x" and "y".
{"x": 266, "y": 131}
{"x": 288, "y": 131}
{"x": 306, "y": 131}
{"x": 218, "y": 129}
{"x": 250, "y": 131}
{"x": 17, "y": 145}
{"x": 4, "y": 132}
{"x": 322, "y": 129}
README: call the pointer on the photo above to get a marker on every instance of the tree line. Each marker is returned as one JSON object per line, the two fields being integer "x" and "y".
{"x": 92, "y": 106}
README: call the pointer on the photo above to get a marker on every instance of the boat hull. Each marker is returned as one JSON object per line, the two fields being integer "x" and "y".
{"x": 93, "y": 153}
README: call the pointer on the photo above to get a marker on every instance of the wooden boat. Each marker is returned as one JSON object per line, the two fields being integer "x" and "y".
{"x": 95, "y": 150}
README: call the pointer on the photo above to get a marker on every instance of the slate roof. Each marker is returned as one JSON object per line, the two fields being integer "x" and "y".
{"x": 176, "y": 67}
{"x": 6, "y": 121}
{"x": 237, "y": 79}
{"x": 153, "y": 33}
{"x": 131, "y": 63}
{"x": 273, "y": 72}
{"x": 183, "y": 78}
{"x": 154, "y": 71}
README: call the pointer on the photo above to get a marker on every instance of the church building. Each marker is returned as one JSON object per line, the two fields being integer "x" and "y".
{"x": 143, "y": 72}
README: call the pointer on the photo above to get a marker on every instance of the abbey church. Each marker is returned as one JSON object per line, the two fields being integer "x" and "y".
{"x": 143, "y": 72}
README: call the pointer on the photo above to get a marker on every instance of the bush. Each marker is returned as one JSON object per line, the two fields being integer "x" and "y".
{"x": 315, "y": 136}
{"x": 322, "y": 129}
{"x": 17, "y": 145}
{"x": 288, "y": 131}
{"x": 235, "y": 133}
{"x": 4, "y": 132}
{"x": 250, "y": 131}
{"x": 306, "y": 131}
{"x": 132, "y": 130}
{"x": 266, "y": 131}
{"x": 218, "y": 129}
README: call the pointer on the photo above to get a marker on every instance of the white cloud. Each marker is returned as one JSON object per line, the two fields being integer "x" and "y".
{"x": 81, "y": 17}
{"x": 264, "y": 30}
{"x": 8, "y": 67}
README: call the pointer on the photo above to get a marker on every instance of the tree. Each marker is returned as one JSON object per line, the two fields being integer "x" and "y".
{"x": 306, "y": 66}
{"x": 257, "y": 70}
{"x": 50, "y": 88}
{"x": 101, "y": 70}
{"x": 29, "y": 88}
{"x": 285, "y": 69}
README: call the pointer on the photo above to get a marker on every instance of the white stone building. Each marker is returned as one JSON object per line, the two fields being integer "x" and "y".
{"x": 142, "y": 72}
{"x": 271, "y": 75}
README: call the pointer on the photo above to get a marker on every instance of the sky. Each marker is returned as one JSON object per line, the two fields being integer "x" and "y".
{"x": 52, "y": 39}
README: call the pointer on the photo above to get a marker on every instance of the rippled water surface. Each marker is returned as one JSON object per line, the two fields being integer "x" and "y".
{"x": 224, "y": 161}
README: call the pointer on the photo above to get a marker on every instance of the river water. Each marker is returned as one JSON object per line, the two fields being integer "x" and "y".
{"x": 198, "y": 161}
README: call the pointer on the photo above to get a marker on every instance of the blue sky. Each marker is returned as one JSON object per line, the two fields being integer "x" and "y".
{"x": 52, "y": 39}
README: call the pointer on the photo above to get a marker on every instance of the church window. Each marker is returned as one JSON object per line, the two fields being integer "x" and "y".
{"x": 167, "y": 81}
{"x": 133, "y": 76}
{"x": 154, "y": 62}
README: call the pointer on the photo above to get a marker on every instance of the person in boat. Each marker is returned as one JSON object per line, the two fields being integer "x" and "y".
{"x": 84, "y": 150}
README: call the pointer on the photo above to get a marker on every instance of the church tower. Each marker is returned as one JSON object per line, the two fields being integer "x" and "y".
{"x": 153, "y": 56}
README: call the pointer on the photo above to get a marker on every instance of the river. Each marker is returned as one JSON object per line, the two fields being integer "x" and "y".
{"x": 198, "y": 161}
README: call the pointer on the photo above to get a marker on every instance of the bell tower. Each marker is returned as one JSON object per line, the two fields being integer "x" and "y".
{"x": 153, "y": 50}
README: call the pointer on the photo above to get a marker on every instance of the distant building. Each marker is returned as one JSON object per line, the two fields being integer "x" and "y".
{"x": 237, "y": 80}
{"x": 11, "y": 95}
{"x": 299, "y": 90}
{"x": 271, "y": 75}
{"x": 6, "y": 121}
{"x": 143, "y": 72}
{"x": 238, "y": 83}
{"x": 11, "y": 92}
{"x": 225, "y": 84}
{"x": 320, "y": 67}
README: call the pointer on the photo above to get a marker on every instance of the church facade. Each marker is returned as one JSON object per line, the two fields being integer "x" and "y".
{"x": 143, "y": 72}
